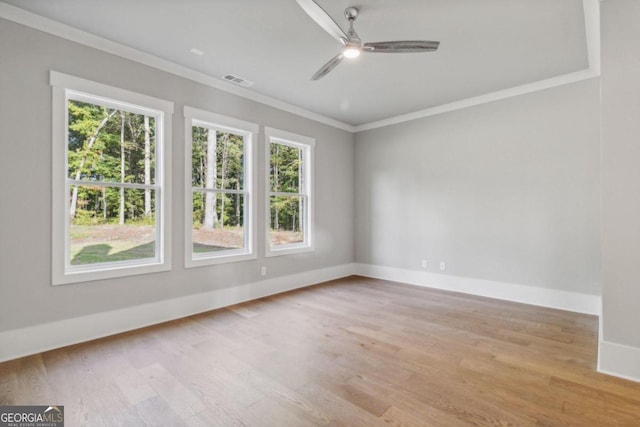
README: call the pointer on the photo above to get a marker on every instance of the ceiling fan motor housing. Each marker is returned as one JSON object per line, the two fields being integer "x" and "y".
{"x": 351, "y": 13}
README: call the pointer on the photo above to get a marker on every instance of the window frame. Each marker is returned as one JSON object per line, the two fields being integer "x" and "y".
{"x": 307, "y": 145}
{"x": 64, "y": 88}
{"x": 249, "y": 132}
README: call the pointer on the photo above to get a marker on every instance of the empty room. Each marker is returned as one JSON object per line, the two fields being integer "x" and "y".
{"x": 315, "y": 212}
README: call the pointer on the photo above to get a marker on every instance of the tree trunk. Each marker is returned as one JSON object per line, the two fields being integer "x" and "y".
{"x": 301, "y": 214}
{"x": 223, "y": 176}
{"x": 276, "y": 185}
{"x": 147, "y": 166}
{"x": 238, "y": 198}
{"x": 301, "y": 184}
{"x": 210, "y": 216}
{"x": 92, "y": 140}
{"x": 201, "y": 168}
{"x": 104, "y": 203}
{"x": 122, "y": 168}
{"x": 293, "y": 221}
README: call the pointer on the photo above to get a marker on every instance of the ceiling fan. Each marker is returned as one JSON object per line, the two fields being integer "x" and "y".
{"x": 352, "y": 45}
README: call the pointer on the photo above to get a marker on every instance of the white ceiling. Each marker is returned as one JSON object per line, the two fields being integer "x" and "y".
{"x": 486, "y": 46}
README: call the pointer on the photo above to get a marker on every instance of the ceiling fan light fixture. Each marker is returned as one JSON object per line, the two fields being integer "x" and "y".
{"x": 352, "y": 43}
{"x": 351, "y": 51}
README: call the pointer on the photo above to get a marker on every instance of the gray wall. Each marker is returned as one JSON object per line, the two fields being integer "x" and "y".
{"x": 505, "y": 191}
{"x": 621, "y": 171}
{"x": 26, "y": 294}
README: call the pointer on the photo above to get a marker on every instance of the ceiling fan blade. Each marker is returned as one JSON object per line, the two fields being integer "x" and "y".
{"x": 405, "y": 46}
{"x": 323, "y": 19}
{"x": 324, "y": 70}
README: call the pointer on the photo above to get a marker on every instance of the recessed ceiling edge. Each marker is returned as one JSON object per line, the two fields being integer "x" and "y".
{"x": 592, "y": 29}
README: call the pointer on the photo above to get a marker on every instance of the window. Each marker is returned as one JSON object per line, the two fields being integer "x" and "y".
{"x": 220, "y": 199}
{"x": 109, "y": 181}
{"x": 289, "y": 166}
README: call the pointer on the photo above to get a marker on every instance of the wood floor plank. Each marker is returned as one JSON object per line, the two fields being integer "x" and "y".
{"x": 341, "y": 411}
{"x": 351, "y": 352}
{"x": 32, "y": 382}
{"x": 134, "y": 386}
{"x": 268, "y": 412}
{"x": 155, "y": 411}
{"x": 170, "y": 389}
{"x": 218, "y": 416}
{"x": 9, "y": 382}
{"x": 399, "y": 418}
{"x": 286, "y": 397}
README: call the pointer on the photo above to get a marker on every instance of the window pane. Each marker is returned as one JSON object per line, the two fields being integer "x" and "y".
{"x": 218, "y": 221}
{"x": 110, "y": 145}
{"x": 217, "y": 159}
{"x": 111, "y": 224}
{"x": 285, "y": 168}
{"x": 286, "y": 222}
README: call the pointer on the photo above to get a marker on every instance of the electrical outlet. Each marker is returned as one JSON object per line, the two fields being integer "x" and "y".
{"x": 263, "y": 270}
{"x": 424, "y": 263}
{"x": 443, "y": 266}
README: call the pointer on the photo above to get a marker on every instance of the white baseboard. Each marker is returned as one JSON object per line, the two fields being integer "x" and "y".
{"x": 563, "y": 300}
{"x": 35, "y": 339}
{"x": 619, "y": 360}
{"x": 614, "y": 359}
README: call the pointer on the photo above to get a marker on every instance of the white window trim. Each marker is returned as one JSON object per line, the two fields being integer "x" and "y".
{"x": 307, "y": 144}
{"x": 250, "y": 132}
{"x": 61, "y": 271}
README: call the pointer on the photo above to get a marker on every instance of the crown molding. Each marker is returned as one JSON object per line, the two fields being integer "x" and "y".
{"x": 483, "y": 99}
{"x": 29, "y": 19}
{"x": 592, "y": 29}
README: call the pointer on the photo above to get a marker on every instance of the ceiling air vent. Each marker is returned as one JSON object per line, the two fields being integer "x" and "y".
{"x": 237, "y": 80}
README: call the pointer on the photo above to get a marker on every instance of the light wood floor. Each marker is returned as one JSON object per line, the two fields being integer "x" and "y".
{"x": 354, "y": 352}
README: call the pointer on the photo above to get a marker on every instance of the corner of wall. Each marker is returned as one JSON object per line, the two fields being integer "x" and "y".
{"x": 543, "y": 297}
{"x": 619, "y": 360}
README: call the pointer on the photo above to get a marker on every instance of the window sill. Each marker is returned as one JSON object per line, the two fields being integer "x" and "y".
{"x": 203, "y": 261}
{"x": 291, "y": 249}
{"x": 114, "y": 270}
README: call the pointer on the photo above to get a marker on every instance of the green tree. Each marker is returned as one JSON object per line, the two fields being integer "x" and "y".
{"x": 285, "y": 177}
{"x": 110, "y": 145}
